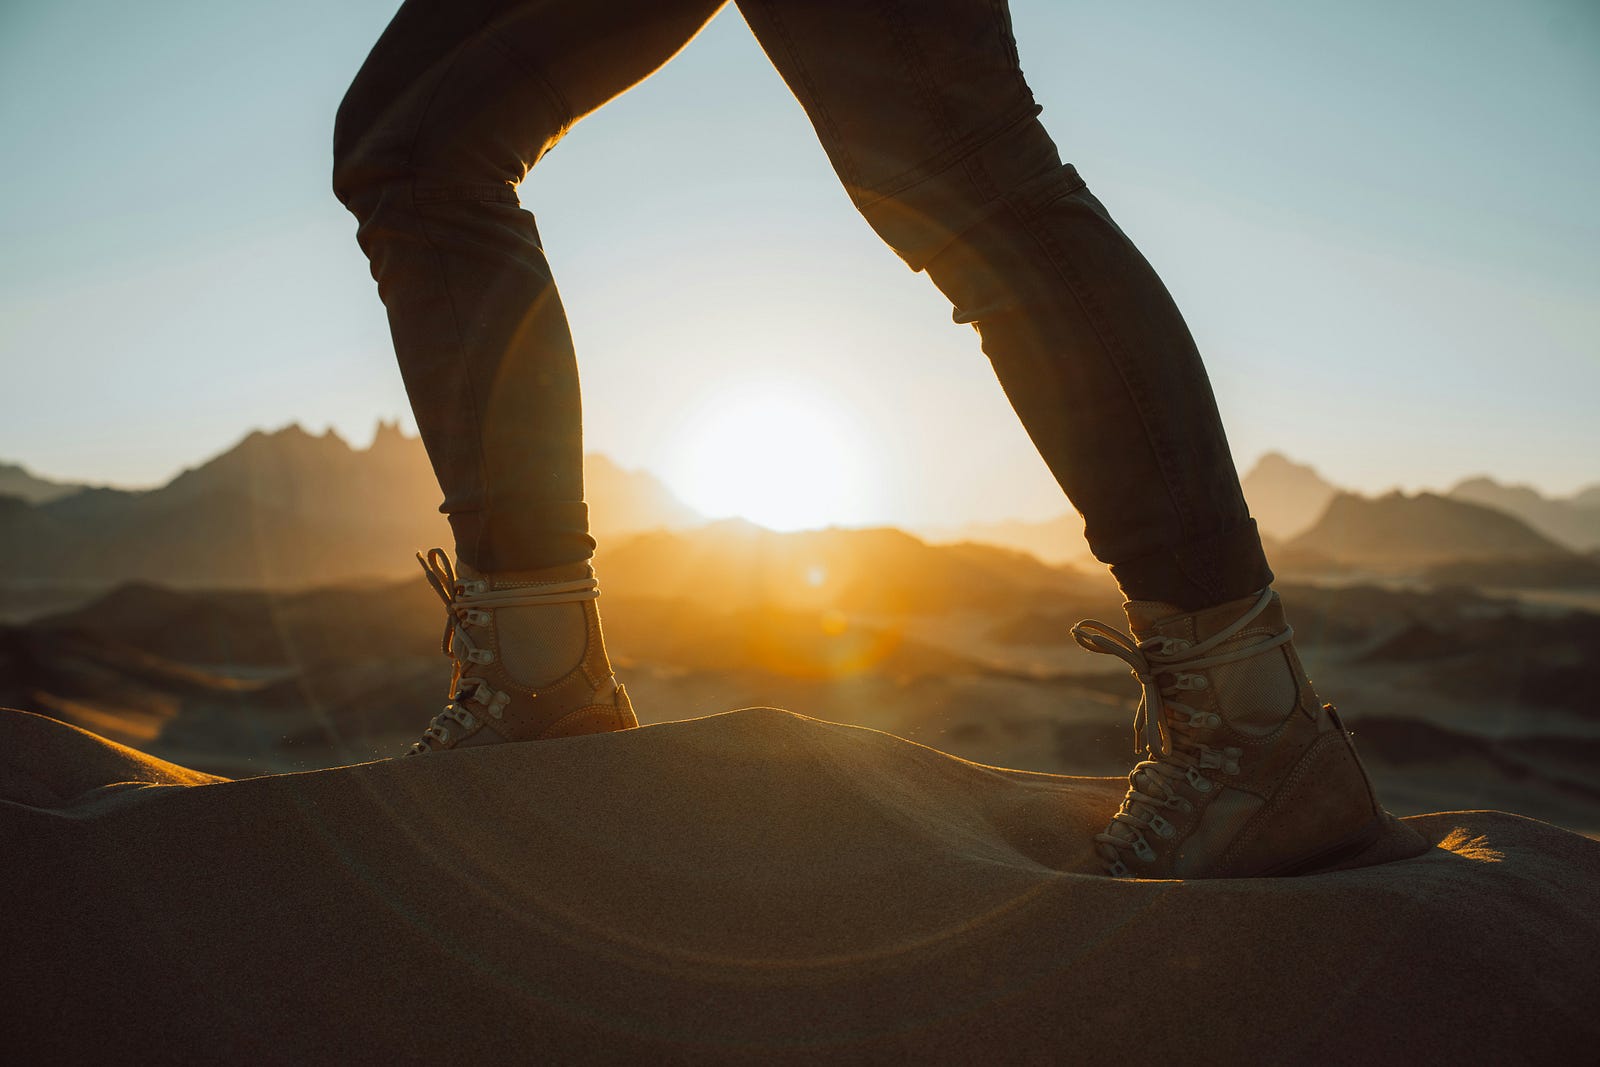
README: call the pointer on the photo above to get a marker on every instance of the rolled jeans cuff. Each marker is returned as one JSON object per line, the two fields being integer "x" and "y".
{"x": 493, "y": 542}
{"x": 1199, "y": 574}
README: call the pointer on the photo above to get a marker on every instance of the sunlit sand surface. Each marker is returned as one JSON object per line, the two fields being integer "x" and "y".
{"x": 756, "y": 885}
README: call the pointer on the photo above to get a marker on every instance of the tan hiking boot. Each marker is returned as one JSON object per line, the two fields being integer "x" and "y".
{"x": 1246, "y": 772}
{"x": 529, "y": 658}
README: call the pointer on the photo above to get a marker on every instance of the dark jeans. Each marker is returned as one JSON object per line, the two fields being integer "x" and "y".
{"x": 923, "y": 110}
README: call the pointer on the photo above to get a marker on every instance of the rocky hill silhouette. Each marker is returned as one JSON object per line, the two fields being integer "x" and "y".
{"x": 1285, "y": 497}
{"x": 1057, "y": 540}
{"x": 881, "y": 570}
{"x": 17, "y": 481}
{"x": 1400, "y": 532}
{"x": 1311, "y": 525}
{"x": 1574, "y": 521}
{"x": 287, "y": 509}
{"x": 291, "y": 509}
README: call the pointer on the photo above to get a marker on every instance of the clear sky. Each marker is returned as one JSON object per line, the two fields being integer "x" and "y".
{"x": 1380, "y": 220}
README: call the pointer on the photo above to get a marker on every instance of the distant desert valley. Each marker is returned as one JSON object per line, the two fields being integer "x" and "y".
{"x": 262, "y": 612}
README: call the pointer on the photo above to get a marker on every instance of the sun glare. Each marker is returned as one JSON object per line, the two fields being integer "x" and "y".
{"x": 775, "y": 455}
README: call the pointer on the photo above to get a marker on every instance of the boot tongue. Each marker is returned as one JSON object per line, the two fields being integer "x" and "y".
{"x": 1153, "y": 618}
{"x": 1145, "y": 616}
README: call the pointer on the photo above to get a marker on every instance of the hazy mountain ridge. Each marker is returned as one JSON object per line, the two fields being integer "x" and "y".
{"x": 1478, "y": 533}
{"x": 1574, "y": 520}
{"x": 1286, "y": 497}
{"x": 280, "y": 509}
{"x": 291, "y": 509}
{"x": 1396, "y": 531}
{"x": 1057, "y": 540}
{"x": 17, "y": 481}
{"x": 736, "y": 563}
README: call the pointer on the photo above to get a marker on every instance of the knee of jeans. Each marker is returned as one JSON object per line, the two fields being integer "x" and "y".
{"x": 360, "y": 163}
{"x": 371, "y": 159}
{"x": 1016, "y": 168}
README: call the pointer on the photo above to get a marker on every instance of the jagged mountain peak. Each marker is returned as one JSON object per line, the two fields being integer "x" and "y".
{"x": 18, "y": 481}
{"x": 1275, "y": 463}
{"x": 1421, "y": 529}
{"x": 1286, "y": 497}
{"x": 1573, "y": 521}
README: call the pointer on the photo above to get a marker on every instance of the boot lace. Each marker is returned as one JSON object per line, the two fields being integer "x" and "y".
{"x": 469, "y": 605}
{"x": 1174, "y": 733}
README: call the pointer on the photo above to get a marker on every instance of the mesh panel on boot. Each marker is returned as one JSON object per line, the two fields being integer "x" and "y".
{"x": 541, "y": 643}
{"x": 1255, "y": 695}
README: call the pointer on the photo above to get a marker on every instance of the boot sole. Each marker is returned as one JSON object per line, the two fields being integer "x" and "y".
{"x": 1329, "y": 856}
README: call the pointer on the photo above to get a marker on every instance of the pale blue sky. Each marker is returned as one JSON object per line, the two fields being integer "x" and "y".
{"x": 1379, "y": 219}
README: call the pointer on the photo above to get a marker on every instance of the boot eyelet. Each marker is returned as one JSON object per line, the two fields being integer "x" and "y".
{"x": 1119, "y": 869}
{"x": 1162, "y": 827}
{"x": 481, "y": 655}
{"x": 1199, "y": 782}
{"x": 1142, "y": 849}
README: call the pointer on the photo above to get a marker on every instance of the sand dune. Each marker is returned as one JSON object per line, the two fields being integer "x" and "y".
{"x": 750, "y": 886}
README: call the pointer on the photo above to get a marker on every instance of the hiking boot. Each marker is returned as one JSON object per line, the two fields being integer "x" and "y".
{"x": 528, "y": 655}
{"x": 1245, "y": 772}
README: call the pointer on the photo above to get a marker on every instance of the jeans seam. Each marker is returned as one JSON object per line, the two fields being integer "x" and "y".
{"x": 1131, "y": 380}
{"x": 531, "y": 70}
{"x": 1002, "y": 14}
{"x": 914, "y": 66}
{"x": 844, "y": 163}
{"x": 466, "y": 371}
{"x": 455, "y": 311}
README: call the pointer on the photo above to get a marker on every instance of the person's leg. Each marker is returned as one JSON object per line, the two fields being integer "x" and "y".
{"x": 458, "y": 99}
{"x": 924, "y": 112}
{"x": 925, "y": 115}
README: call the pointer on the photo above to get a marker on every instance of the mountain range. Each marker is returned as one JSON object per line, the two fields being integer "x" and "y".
{"x": 287, "y": 509}
{"x": 1311, "y": 525}
{"x": 16, "y": 480}
{"x": 292, "y": 509}
{"x": 1400, "y": 532}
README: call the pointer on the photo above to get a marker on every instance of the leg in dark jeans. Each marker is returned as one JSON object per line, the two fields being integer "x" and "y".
{"x": 457, "y": 100}
{"x": 924, "y": 112}
{"x": 925, "y": 115}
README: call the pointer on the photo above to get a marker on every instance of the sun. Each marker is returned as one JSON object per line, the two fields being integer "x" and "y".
{"x": 778, "y": 455}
